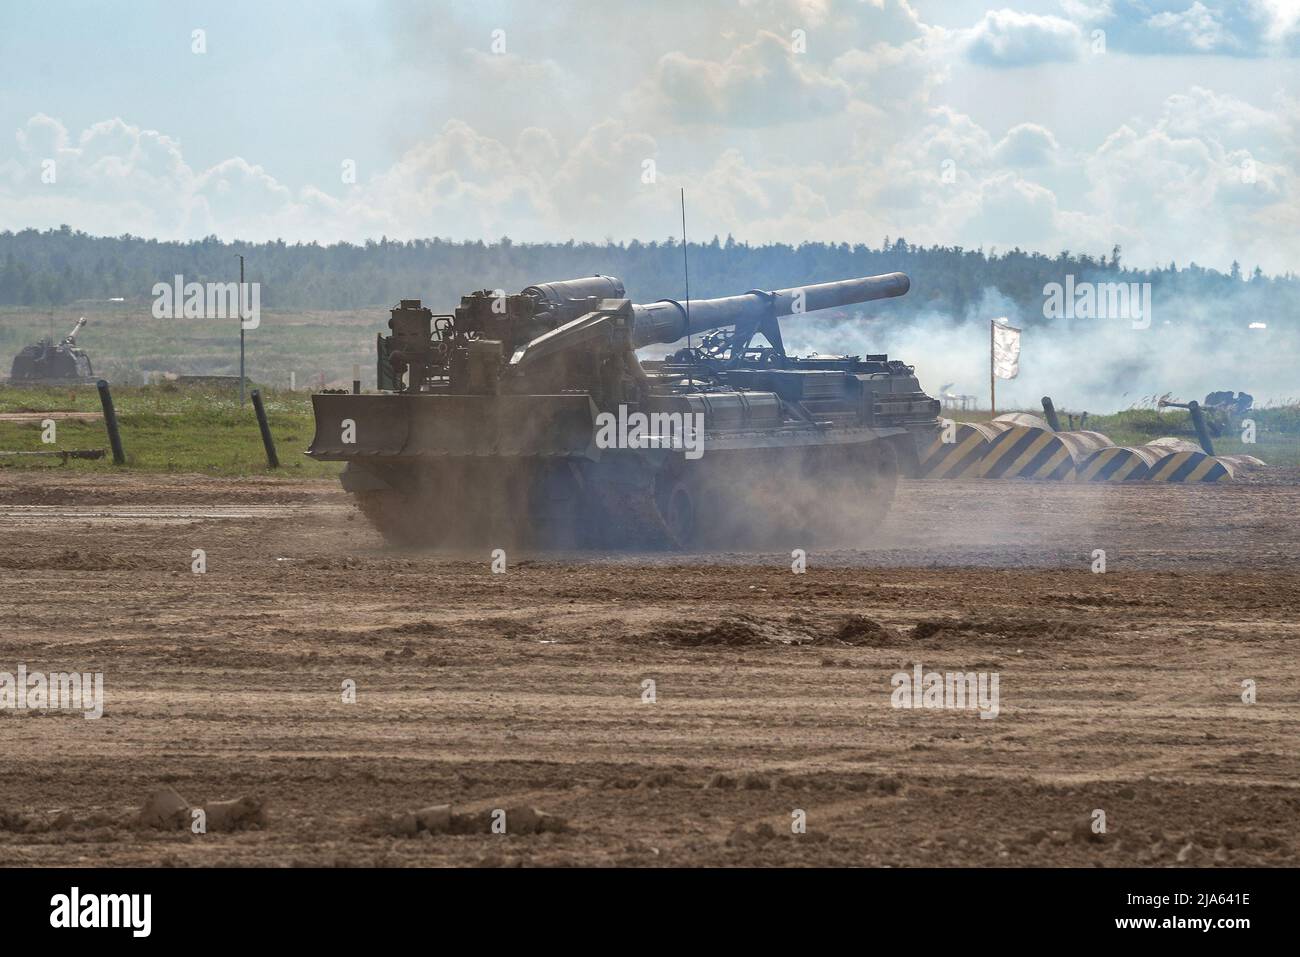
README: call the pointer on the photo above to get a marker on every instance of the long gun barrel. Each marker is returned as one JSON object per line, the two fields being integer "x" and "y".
{"x": 669, "y": 320}
{"x": 71, "y": 338}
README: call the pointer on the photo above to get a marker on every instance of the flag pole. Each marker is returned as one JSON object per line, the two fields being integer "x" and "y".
{"x": 240, "y": 311}
{"x": 993, "y": 388}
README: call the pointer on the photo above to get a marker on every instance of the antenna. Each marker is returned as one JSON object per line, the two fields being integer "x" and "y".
{"x": 687, "y": 270}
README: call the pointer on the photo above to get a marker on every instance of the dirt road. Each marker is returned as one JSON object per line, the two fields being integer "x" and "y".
{"x": 771, "y": 700}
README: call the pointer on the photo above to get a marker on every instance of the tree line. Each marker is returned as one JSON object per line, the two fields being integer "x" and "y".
{"x": 58, "y": 267}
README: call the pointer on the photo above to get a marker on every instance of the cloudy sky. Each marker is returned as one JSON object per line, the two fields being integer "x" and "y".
{"x": 1171, "y": 127}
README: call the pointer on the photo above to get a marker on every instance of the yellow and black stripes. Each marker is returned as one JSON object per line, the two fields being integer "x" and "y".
{"x": 1117, "y": 464}
{"x": 1235, "y": 460}
{"x": 1189, "y": 467}
{"x": 1033, "y": 453}
{"x": 1003, "y": 450}
{"x": 959, "y": 457}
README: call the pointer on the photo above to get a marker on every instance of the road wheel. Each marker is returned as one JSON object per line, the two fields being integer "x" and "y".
{"x": 677, "y": 508}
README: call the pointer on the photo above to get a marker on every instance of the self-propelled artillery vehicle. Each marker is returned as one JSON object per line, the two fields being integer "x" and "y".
{"x": 529, "y": 419}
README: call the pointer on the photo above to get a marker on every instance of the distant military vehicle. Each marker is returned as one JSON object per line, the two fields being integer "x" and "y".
{"x": 51, "y": 363}
{"x": 529, "y": 419}
{"x": 1229, "y": 403}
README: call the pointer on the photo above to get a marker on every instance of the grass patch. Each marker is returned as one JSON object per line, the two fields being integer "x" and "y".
{"x": 168, "y": 429}
{"x": 124, "y": 342}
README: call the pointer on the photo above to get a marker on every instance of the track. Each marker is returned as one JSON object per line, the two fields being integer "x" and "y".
{"x": 1119, "y": 691}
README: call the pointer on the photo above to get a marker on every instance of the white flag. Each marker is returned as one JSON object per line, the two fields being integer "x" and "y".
{"x": 1006, "y": 350}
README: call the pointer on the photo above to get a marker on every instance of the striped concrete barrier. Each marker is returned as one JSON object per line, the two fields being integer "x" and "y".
{"x": 1027, "y": 419}
{"x": 1193, "y": 466}
{"x": 971, "y": 441}
{"x": 1118, "y": 464}
{"x": 959, "y": 457}
{"x": 1242, "y": 460}
{"x": 1012, "y": 446}
{"x": 1192, "y": 463}
{"x": 1162, "y": 460}
{"x": 1033, "y": 453}
{"x": 1171, "y": 443}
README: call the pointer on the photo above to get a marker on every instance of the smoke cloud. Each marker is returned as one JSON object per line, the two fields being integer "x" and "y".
{"x": 1097, "y": 365}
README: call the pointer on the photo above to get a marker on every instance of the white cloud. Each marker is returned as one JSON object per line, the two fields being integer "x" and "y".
{"x": 1026, "y": 144}
{"x": 1198, "y": 27}
{"x": 1250, "y": 28}
{"x": 894, "y": 80}
{"x": 760, "y": 84}
{"x": 1176, "y": 190}
{"x": 1243, "y": 28}
{"x": 42, "y": 136}
{"x": 1009, "y": 38}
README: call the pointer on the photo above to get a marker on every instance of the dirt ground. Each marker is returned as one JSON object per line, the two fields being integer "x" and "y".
{"x": 1119, "y": 692}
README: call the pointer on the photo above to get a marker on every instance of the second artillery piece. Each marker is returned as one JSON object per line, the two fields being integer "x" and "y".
{"x": 529, "y": 419}
{"x": 51, "y": 363}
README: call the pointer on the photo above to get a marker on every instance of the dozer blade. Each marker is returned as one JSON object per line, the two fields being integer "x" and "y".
{"x": 420, "y": 426}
